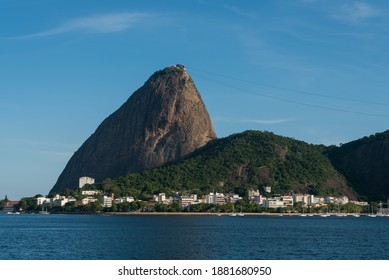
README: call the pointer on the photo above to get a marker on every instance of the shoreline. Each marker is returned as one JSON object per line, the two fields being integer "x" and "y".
{"x": 216, "y": 214}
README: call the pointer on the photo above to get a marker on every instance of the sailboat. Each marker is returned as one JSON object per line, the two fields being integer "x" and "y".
{"x": 303, "y": 215}
{"x": 339, "y": 214}
{"x": 44, "y": 211}
{"x": 372, "y": 215}
{"x": 233, "y": 214}
{"x": 380, "y": 214}
{"x": 241, "y": 213}
{"x": 325, "y": 214}
{"x": 356, "y": 214}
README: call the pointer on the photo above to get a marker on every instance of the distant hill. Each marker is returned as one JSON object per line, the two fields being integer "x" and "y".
{"x": 365, "y": 164}
{"x": 239, "y": 162}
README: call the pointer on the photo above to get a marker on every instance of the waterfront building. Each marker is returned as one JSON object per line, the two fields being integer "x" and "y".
{"x": 61, "y": 201}
{"x": 85, "y": 180}
{"x": 215, "y": 198}
{"x": 287, "y": 200}
{"x": 273, "y": 202}
{"x": 209, "y": 198}
{"x": 360, "y": 203}
{"x": 107, "y": 201}
{"x": 188, "y": 200}
{"x": 43, "y": 200}
{"x": 124, "y": 199}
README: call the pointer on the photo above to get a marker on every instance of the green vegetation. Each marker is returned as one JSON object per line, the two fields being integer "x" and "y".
{"x": 364, "y": 163}
{"x": 165, "y": 71}
{"x": 237, "y": 163}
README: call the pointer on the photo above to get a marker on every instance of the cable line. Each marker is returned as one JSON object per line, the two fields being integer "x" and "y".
{"x": 289, "y": 100}
{"x": 292, "y": 90}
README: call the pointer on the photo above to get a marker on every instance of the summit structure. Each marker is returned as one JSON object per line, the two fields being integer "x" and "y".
{"x": 161, "y": 122}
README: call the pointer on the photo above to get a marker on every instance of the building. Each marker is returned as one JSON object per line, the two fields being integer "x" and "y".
{"x": 88, "y": 200}
{"x": 287, "y": 200}
{"x": 62, "y": 201}
{"x": 252, "y": 194}
{"x": 124, "y": 199}
{"x": 273, "y": 202}
{"x": 188, "y": 200}
{"x": 90, "y": 192}
{"x": 43, "y": 200}
{"x": 215, "y": 198}
{"x": 85, "y": 180}
{"x": 107, "y": 201}
{"x": 266, "y": 189}
{"x": 9, "y": 205}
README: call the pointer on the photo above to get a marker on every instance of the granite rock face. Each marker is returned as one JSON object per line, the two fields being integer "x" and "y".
{"x": 161, "y": 122}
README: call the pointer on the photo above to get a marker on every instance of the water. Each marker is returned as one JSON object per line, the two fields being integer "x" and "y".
{"x": 94, "y": 237}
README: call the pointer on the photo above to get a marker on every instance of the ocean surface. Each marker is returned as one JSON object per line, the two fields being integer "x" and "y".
{"x": 94, "y": 237}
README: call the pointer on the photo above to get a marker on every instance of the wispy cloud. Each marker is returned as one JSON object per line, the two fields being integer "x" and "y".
{"x": 356, "y": 12}
{"x": 240, "y": 12}
{"x": 108, "y": 23}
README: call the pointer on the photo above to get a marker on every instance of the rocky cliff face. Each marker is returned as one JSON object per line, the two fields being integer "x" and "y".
{"x": 161, "y": 122}
{"x": 365, "y": 164}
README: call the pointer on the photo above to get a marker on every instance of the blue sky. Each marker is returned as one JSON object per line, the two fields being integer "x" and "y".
{"x": 314, "y": 70}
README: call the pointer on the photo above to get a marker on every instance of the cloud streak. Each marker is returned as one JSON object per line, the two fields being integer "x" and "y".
{"x": 356, "y": 12}
{"x": 108, "y": 23}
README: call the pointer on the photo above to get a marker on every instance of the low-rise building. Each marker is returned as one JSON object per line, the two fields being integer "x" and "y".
{"x": 188, "y": 200}
{"x": 90, "y": 192}
{"x": 88, "y": 200}
{"x": 273, "y": 202}
{"x": 107, "y": 201}
{"x": 124, "y": 199}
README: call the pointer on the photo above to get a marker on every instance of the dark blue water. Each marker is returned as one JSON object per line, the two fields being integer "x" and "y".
{"x": 93, "y": 237}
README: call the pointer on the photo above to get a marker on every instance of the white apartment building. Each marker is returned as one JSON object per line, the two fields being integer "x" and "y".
{"x": 287, "y": 200}
{"x": 273, "y": 202}
{"x": 107, "y": 201}
{"x": 85, "y": 180}
{"x": 188, "y": 200}
{"x": 90, "y": 192}
{"x": 124, "y": 199}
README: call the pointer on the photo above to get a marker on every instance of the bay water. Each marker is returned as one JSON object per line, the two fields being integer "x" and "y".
{"x": 99, "y": 237}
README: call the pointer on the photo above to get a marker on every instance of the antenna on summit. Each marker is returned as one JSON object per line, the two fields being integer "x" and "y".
{"x": 181, "y": 66}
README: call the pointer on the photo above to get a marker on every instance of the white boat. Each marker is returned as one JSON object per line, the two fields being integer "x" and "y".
{"x": 233, "y": 214}
{"x": 241, "y": 213}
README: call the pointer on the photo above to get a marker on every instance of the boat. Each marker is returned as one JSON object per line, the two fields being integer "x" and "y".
{"x": 372, "y": 215}
{"x": 303, "y": 215}
{"x": 241, "y": 213}
{"x": 326, "y": 214}
{"x": 233, "y": 214}
{"x": 43, "y": 211}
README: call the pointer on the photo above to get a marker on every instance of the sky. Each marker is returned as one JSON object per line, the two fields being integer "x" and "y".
{"x": 314, "y": 70}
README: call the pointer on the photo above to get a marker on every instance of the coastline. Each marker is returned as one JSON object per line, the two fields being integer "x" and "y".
{"x": 209, "y": 214}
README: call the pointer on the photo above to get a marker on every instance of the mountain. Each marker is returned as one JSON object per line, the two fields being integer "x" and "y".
{"x": 365, "y": 164}
{"x": 161, "y": 122}
{"x": 240, "y": 162}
